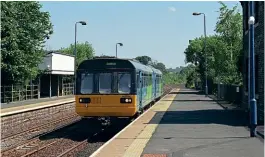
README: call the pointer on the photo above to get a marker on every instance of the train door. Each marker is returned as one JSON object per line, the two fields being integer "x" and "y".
{"x": 141, "y": 90}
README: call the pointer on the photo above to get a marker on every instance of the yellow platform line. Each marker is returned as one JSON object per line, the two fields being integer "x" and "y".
{"x": 138, "y": 145}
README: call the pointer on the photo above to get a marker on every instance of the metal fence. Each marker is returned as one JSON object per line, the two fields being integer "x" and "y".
{"x": 68, "y": 88}
{"x": 16, "y": 93}
{"x": 19, "y": 93}
{"x": 230, "y": 93}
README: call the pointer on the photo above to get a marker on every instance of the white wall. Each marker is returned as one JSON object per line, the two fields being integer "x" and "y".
{"x": 59, "y": 64}
{"x": 62, "y": 63}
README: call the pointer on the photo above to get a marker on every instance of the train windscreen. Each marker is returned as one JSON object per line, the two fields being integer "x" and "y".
{"x": 86, "y": 83}
{"x": 124, "y": 83}
{"x": 105, "y": 80}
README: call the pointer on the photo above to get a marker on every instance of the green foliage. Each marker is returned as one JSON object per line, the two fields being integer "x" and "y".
{"x": 173, "y": 78}
{"x": 222, "y": 50}
{"x": 190, "y": 75}
{"x": 144, "y": 59}
{"x": 23, "y": 31}
{"x": 84, "y": 51}
{"x": 160, "y": 66}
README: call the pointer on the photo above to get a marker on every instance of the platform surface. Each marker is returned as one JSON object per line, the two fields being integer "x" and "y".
{"x": 16, "y": 107}
{"x": 185, "y": 124}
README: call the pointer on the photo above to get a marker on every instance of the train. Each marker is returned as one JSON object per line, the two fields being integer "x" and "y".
{"x": 115, "y": 87}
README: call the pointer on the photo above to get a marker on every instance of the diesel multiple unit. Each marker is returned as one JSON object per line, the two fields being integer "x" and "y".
{"x": 112, "y": 87}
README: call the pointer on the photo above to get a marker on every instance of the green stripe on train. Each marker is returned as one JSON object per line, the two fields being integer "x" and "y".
{"x": 148, "y": 97}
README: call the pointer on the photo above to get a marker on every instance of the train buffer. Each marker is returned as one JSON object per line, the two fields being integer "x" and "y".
{"x": 185, "y": 123}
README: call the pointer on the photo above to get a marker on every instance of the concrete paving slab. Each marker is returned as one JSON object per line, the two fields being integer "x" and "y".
{"x": 196, "y": 126}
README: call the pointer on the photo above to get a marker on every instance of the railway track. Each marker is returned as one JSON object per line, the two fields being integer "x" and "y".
{"x": 61, "y": 142}
{"x": 81, "y": 138}
{"x": 13, "y": 140}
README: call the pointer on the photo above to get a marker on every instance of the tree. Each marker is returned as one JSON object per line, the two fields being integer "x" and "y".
{"x": 105, "y": 56}
{"x": 83, "y": 50}
{"x": 229, "y": 27}
{"x": 144, "y": 59}
{"x": 23, "y": 31}
{"x": 223, "y": 49}
{"x": 160, "y": 66}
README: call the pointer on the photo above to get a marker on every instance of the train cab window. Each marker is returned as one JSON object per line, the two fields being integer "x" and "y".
{"x": 105, "y": 81}
{"x": 86, "y": 83}
{"x": 124, "y": 83}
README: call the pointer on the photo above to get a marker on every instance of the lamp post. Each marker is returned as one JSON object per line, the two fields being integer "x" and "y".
{"x": 204, "y": 19}
{"x": 252, "y": 101}
{"x": 83, "y": 23}
{"x": 121, "y": 44}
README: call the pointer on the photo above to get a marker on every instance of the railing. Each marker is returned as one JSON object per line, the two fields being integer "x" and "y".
{"x": 230, "y": 93}
{"x": 14, "y": 93}
{"x": 68, "y": 88}
{"x": 19, "y": 93}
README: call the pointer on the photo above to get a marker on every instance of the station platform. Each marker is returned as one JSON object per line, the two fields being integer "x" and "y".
{"x": 185, "y": 123}
{"x": 22, "y": 106}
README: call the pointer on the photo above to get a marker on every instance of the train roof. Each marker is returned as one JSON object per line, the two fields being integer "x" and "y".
{"x": 112, "y": 63}
{"x": 156, "y": 70}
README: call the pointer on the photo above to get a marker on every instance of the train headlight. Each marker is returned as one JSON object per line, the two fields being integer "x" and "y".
{"x": 84, "y": 100}
{"x": 125, "y": 100}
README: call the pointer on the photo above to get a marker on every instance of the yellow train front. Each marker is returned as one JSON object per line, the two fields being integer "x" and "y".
{"x": 111, "y": 87}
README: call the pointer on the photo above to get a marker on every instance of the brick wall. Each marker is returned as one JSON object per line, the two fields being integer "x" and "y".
{"x": 259, "y": 52}
{"x": 24, "y": 121}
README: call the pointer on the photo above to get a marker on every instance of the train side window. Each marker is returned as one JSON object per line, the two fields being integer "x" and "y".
{"x": 147, "y": 80}
{"x": 145, "y": 84}
{"x": 137, "y": 81}
{"x": 150, "y": 79}
{"x": 143, "y": 79}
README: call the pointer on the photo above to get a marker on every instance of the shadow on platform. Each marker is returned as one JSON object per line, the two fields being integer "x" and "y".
{"x": 223, "y": 117}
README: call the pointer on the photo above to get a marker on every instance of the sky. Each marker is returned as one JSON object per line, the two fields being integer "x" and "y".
{"x": 160, "y": 30}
